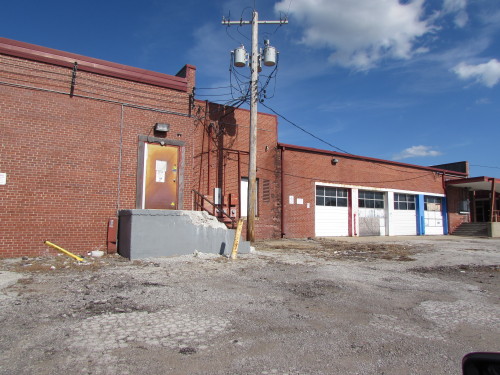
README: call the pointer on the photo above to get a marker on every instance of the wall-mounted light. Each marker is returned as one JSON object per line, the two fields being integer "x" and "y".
{"x": 160, "y": 127}
{"x": 335, "y": 161}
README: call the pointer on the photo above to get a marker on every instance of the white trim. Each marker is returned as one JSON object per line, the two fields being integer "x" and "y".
{"x": 389, "y": 221}
{"x": 378, "y": 189}
{"x": 354, "y": 212}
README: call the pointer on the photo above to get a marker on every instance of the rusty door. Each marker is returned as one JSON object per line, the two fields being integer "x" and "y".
{"x": 161, "y": 177}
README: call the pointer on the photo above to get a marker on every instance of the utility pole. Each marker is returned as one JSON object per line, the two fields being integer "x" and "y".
{"x": 254, "y": 83}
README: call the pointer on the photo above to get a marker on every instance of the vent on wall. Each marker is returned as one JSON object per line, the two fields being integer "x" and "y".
{"x": 266, "y": 191}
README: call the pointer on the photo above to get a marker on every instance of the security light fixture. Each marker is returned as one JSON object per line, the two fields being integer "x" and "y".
{"x": 160, "y": 127}
{"x": 335, "y": 161}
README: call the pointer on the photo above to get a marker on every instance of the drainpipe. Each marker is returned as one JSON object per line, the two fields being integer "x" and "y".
{"x": 445, "y": 211}
{"x": 493, "y": 199}
{"x": 283, "y": 192}
{"x": 120, "y": 159}
{"x": 208, "y": 154}
{"x": 239, "y": 185}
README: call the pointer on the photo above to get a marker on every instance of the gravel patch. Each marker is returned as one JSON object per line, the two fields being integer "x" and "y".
{"x": 318, "y": 306}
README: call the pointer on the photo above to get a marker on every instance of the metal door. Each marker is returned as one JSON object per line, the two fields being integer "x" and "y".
{"x": 160, "y": 177}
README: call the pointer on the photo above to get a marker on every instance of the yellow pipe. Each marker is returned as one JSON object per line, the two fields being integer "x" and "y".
{"x": 63, "y": 251}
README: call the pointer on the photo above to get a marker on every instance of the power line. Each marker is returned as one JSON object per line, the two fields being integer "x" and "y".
{"x": 213, "y": 88}
{"x": 333, "y": 146}
{"x": 305, "y": 131}
{"x": 483, "y": 166}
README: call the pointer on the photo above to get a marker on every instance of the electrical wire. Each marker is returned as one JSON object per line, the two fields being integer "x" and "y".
{"x": 84, "y": 81}
{"x": 213, "y": 88}
{"x": 22, "y": 66}
{"x": 209, "y": 95}
{"x": 229, "y": 35}
{"x": 304, "y": 130}
{"x": 335, "y": 147}
{"x": 29, "y": 78}
{"x": 84, "y": 87}
{"x": 483, "y": 166}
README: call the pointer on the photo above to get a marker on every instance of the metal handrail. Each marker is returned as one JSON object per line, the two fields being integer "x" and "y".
{"x": 215, "y": 207}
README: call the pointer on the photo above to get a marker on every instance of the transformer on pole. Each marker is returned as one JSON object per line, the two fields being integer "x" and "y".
{"x": 240, "y": 58}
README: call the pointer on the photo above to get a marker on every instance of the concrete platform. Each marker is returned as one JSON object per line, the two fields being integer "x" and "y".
{"x": 158, "y": 233}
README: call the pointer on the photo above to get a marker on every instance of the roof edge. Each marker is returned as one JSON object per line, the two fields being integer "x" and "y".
{"x": 365, "y": 158}
{"x": 66, "y": 59}
{"x": 473, "y": 179}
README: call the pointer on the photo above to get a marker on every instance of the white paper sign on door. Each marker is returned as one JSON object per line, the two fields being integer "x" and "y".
{"x": 161, "y": 169}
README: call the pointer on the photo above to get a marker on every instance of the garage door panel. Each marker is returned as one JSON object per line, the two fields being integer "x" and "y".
{"x": 433, "y": 222}
{"x": 404, "y": 223}
{"x": 332, "y": 221}
{"x": 371, "y": 222}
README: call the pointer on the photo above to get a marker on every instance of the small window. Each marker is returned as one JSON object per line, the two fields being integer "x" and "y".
{"x": 331, "y": 196}
{"x": 404, "y": 202}
{"x": 370, "y": 199}
{"x": 432, "y": 203}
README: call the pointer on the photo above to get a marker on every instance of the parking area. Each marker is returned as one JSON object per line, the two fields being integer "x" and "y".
{"x": 372, "y": 305}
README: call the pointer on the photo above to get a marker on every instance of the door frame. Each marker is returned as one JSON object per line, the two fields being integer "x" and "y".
{"x": 143, "y": 141}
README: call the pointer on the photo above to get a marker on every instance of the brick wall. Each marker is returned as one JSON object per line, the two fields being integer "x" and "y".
{"x": 71, "y": 161}
{"x": 302, "y": 168}
{"x": 455, "y": 196}
{"x": 221, "y": 159}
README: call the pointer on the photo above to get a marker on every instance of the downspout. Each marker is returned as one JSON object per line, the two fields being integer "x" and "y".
{"x": 239, "y": 185}
{"x": 208, "y": 149}
{"x": 120, "y": 157}
{"x": 208, "y": 157}
{"x": 283, "y": 192}
{"x": 202, "y": 152}
{"x": 493, "y": 200}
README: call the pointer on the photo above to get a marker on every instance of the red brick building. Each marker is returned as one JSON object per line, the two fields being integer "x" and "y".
{"x": 73, "y": 135}
{"x": 82, "y": 139}
{"x": 336, "y": 194}
{"x": 221, "y": 160}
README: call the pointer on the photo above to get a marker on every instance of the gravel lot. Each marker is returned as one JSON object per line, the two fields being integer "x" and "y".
{"x": 406, "y": 305}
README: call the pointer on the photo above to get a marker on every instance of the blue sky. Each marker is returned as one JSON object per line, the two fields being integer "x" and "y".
{"x": 416, "y": 81}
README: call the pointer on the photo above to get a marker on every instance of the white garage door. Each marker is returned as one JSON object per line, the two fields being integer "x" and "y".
{"x": 404, "y": 216}
{"x": 332, "y": 213}
{"x": 433, "y": 215}
{"x": 371, "y": 213}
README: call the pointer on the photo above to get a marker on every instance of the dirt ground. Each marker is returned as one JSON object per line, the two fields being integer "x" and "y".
{"x": 406, "y": 305}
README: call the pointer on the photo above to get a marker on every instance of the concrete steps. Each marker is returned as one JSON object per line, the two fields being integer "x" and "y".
{"x": 471, "y": 230}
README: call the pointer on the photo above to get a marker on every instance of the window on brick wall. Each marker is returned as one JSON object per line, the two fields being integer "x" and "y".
{"x": 404, "y": 201}
{"x": 331, "y": 196}
{"x": 370, "y": 199}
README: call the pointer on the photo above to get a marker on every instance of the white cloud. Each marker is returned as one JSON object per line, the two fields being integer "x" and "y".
{"x": 416, "y": 151}
{"x": 488, "y": 73}
{"x": 458, "y": 7}
{"x": 362, "y": 32}
{"x": 482, "y": 101}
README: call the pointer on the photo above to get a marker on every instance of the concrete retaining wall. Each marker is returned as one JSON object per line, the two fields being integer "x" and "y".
{"x": 493, "y": 229}
{"x": 158, "y": 233}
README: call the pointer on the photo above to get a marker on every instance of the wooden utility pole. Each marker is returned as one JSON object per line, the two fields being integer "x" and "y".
{"x": 254, "y": 83}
